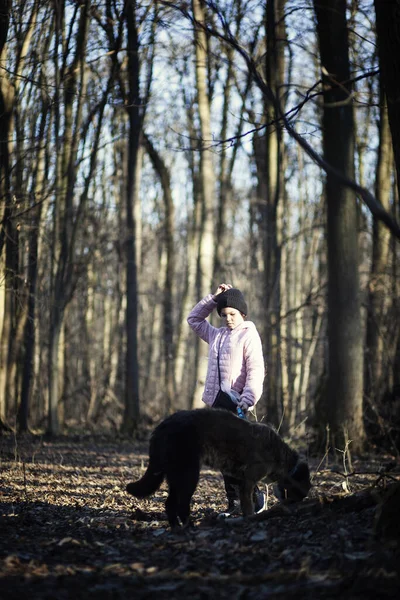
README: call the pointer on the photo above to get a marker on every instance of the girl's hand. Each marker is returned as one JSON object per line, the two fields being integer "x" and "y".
{"x": 222, "y": 288}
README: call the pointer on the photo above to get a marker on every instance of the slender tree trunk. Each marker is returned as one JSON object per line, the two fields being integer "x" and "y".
{"x": 185, "y": 345}
{"x": 154, "y": 379}
{"x": 379, "y": 284}
{"x": 306, "y": 368}
{"x": 66, "y": 216}
{"x": 92, "y": 359}
{"x": 388, "y": 38}
{"x": 20, "y": 291}
{"x": 345, "y": 386}
{"x": 297, "y": 286}
{"x": 188, "y": 299}
{"x": 33, "y": 256}
{"x": 7, "y": 232}
{"x": 132, "y": 405}
{"x": 207, "y": 188}
{"x": 271, "y": 170}
{"x": 288, "y": 409}
{"x": 54, "y": 367}
{"x": 168, "y": 296}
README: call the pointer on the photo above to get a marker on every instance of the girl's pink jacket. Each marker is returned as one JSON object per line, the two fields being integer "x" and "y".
{"x": 241, "y": 358}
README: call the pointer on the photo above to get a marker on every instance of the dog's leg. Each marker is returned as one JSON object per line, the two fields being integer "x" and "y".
{"x": 189, "y": 481}
{"x": 171, "y": 507}
{"x": 246, "y": 489}
{"x": 182, "y": 483}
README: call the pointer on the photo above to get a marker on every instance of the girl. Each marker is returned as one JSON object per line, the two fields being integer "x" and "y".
{"x": 235, "y": 359}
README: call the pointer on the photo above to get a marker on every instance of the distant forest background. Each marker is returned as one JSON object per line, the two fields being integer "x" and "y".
{"x": 151, "y": 150}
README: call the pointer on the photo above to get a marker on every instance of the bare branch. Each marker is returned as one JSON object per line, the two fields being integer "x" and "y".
{"x": 226, "y": 36}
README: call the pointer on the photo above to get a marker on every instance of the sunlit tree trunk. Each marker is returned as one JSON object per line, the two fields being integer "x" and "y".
{"x": 228, "y": 152}
{"x": 154, "y": 378}
{"x": 11, "y": 200}
{"x": 206, "y": 187}
{"x": 271, "y": 194}
{"x": 168, "y": 295}
{"x": 379, "y": 284}
{"x": 288, "y": 409}
{"x": 29, "y": 344}
{"x": 183, "y": 378}
{"x": 298, "y": 290}
{"x": 345, "y": 379}
{"x": 185, "y": 345}
{"x": 7, "y": 238}
{"x": 91, "y": 342}
{"x": 64, "y": 222}
{"x": 2, "y": 299}
{"x": 69, "y": 208}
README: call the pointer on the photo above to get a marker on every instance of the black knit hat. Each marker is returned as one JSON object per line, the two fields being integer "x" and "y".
{"x": 232, "y": 298}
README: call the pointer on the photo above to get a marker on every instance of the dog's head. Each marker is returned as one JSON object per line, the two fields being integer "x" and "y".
{"x": 296, "y": 485}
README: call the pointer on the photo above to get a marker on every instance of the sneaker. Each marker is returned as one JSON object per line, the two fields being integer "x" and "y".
{"x": 233, "y": 507}
{"x": 232, "y": 510}
{"x": 260, "y": 502}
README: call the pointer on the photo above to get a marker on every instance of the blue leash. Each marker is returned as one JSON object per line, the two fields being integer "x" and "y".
{"x": 240, "y": 413}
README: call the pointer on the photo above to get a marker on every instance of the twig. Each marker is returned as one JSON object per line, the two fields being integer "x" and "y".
{"x": 25, "y": 486}
{"x": 320, "y": 463}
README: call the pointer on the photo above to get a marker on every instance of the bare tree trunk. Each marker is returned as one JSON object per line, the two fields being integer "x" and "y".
{"x": 288, "y": 409}
{"x": 132, "y": 404}
{"x": 168, "y": 302}
{"x": 115, "y": 309}
{"x": 69, "y": 210}
{"x": 207, "y": 188}
{"x": 306, "y": 369}
{"x": 2, "y": 306}
{"x": 376, "y": 384}
{"x": 33, "y": 261}
{"x": 188, "y": 299}
{"x": 271, "y": 170}
{"x": 91, "y": 359}
{"x": 299, "y": 286}
{"x": 20, "y": 296}
{"x": 227, "y": 159}
{"x": 64, "y": 220}
{"x": 345, "y": 386}
{"x": 154, "y": 379}
{"x": 54, "y": 340}
{"x": 7, "y": 231}
{"x": 185, "y": 380}
{"x": 388, "y": 38}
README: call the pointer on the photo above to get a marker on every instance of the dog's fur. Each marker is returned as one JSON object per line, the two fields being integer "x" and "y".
{"x": 248, "y": 451}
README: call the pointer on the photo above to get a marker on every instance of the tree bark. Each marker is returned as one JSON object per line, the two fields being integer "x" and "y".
{"x": 345, "y": 379}
{"x": 15, "y": 301}
{"x": 206, "y": 188}
{"x": 269, "y": 155}
{"x": 376, "y": 382}
{"x": 132, "y": 404}
{"x": 69, "y": 210}
{"x": 388, "y": 39}
{"x": 7, "y": 232}
{"x": 168, "y": 297}
{"x": 33, "y": 262}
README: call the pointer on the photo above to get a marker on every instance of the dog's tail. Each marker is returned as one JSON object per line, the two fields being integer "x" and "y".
{"x": 146, "y": 485}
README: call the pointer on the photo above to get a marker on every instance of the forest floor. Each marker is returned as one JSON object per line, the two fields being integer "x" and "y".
{"x": 68, "y": 530}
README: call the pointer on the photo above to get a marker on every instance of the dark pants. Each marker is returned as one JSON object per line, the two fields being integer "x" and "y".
{"x": 232, "y": 493}
{"x": 231, "y": 489}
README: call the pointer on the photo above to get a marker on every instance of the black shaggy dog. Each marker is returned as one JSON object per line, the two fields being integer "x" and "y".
{"x": 248, "y": 451}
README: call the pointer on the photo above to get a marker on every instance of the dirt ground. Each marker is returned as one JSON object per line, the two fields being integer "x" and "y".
{"x": 68, "y": 530}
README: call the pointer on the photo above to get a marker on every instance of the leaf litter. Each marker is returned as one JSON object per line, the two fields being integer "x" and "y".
{"x": 68, "y": 529}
